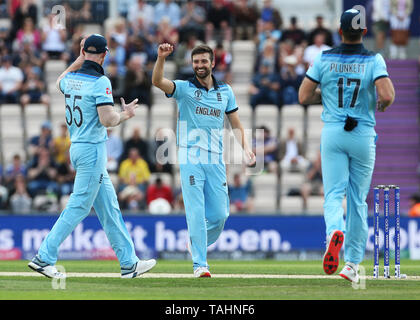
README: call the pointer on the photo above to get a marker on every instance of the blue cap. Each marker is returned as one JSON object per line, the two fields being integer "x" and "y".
{"x": 95, "y": 44}
{"x": 349, "y": 19}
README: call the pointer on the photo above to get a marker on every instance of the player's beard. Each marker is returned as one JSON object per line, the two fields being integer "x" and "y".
{"x": 203, "y": 75}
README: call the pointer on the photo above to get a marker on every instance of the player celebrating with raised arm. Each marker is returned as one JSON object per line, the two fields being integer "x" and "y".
{"x": 348, "y": 77}
{"x": 89, "y": 111}
{"x": 202, "y": 102}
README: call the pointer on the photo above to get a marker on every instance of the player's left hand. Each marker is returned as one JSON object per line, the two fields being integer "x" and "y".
{"x": 130, "y": 108}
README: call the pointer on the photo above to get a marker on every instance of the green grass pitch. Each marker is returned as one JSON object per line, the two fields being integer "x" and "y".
{"x": 85, "y": 288}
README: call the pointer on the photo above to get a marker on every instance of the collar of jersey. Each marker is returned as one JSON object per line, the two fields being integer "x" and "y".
{"x": 197, "y": 83}
{"x": 358, "y": 47}
{"x": 89, "y": 65}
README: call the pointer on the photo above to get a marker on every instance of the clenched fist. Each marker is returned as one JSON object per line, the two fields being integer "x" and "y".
{"x": 165, "y": 49}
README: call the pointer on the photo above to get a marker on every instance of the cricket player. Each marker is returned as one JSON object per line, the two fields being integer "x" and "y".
{"x": 202, "y": 104}
{"x": 353, "y": 83}
{"x": 89, "y": 111}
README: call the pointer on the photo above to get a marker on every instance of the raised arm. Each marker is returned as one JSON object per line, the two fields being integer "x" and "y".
{"x": 76, "y": 65}
{"x": 166, "y": 85}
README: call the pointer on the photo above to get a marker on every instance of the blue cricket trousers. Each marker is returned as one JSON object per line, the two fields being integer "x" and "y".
{"x": 206, "y": 200}
{"x": 348, "y": 160}
{"x": 92, "y": 187}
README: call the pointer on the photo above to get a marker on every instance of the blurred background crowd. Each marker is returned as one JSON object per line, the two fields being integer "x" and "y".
{"x": 41, "y": 178}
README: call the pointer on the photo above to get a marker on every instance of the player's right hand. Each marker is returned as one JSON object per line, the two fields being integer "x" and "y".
{"x": 165, "y": 49}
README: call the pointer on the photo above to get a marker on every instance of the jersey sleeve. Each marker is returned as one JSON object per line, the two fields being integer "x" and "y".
{"x": 314, "y": 71}
{"x": 103, "y": 92}
{"x": 231, "y": 105}
{"x": 179, "y": 89}
{"x": 379, "y": 70}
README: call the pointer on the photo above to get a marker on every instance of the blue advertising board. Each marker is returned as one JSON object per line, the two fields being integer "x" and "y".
{"x": 21, "y": 236}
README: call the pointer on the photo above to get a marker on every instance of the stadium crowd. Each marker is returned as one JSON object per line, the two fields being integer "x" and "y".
{"x": 44, "y": 180}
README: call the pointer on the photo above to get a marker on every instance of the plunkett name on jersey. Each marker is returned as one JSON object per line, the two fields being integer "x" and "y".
{"x": 348, "y": 67}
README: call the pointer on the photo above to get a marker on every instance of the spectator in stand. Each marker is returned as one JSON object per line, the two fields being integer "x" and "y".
{"x": 42, "y": 141}
{"x": 291, "y": 154}
{"x": 169, "y": 9}
{"x": 11, "y": 79}
{"x": 137, "y": 82}
{"x": 312, "y": 51}
{"x": 26, "y": 56}
{"x": 241, "y": 194}
{"x": 84, "y": 14}
{"x": 218, "y": 26}
{"x": 269, "y": 13}
{"x": 4, "y": 192}
{"x": 267, "y": 32}
{"x": 42, "y": 174}
{"x": 130, "y": 196}
{"x": 33, "y": 89}
{"x": 166, "y": 32}
{"x": 13, "y": 170}
{"x": 20, "y": 200}
{"x": 65, "y": 177}
{"x": 141, "y": 47}
{"x": 53, "y": 37}
{"x": 134, "y": 164}
{"x": 136, "y": 141}
{"x": 159, "y": 190}
{"x": 115, "y": 54}
{"x": 25, "y": 9}
{"x": 400, "y": 20}
{"x": 265, "y": 87}
{"x": 3, "y": 9}
{"x": 313, "y": 182}
{"x": 294, "y": 33}
{"x": 223, "y": 60}
{"x": 141, "y": 16}
{"x": 266, "y": 145}
{"x": 289, "y": 51}
{"x": 290, "y": 80}
{"x": 192, "y": 21}
{"x": 414, "y": 210}
{"x": 114, "y": 149}
{"x": 161, "y": 149}
{"x": 380, "y": 19}
{"x": 70, "y": 57}
{"x": 182, "y": 57}
{"x": 320, "y": 29}
{"x": 245, "y": 18}
{"x": 118, "y": 32}
{"x": 61, "y": 145}
{"x": 29, "y": 33}
{"x": 269, "y": 55}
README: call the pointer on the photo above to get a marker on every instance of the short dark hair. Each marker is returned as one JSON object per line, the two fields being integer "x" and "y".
{"x": 203, "y": 48}
{"x": 353, "y": 36}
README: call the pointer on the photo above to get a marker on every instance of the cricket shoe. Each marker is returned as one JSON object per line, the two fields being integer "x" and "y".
{"x": 140, "y": 267}
{"x": 45, "y": 269}
{"x": 331, "y": 257}
{"x": 202, "y": 272}
{"x": 349, "y": 272}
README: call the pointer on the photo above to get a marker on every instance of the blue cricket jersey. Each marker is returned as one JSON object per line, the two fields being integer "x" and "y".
{"x": 347, "y": 76}
{"x": 201, "y": 113}
{"x": 85, "y": 90}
